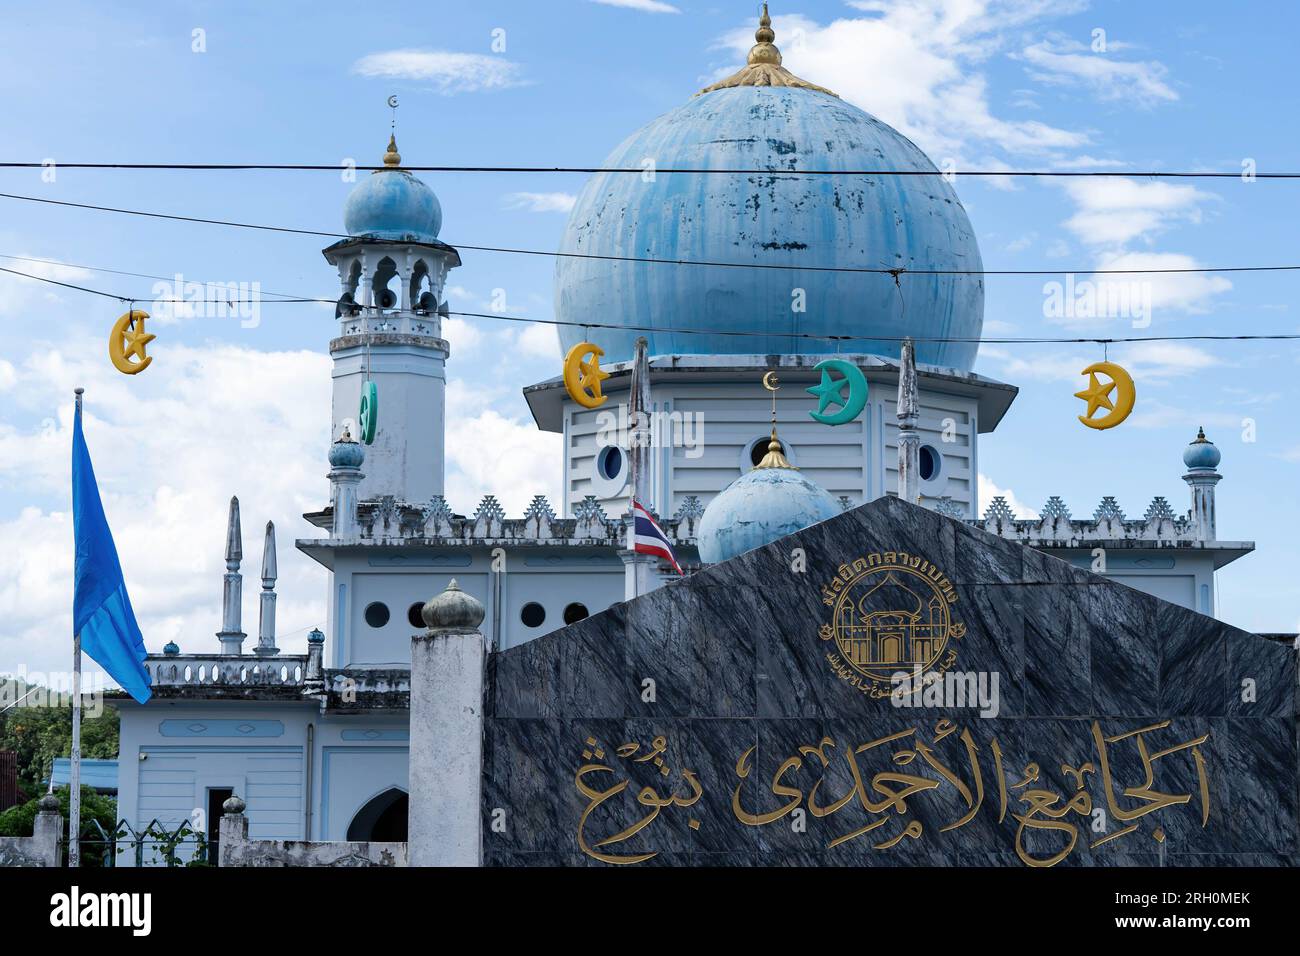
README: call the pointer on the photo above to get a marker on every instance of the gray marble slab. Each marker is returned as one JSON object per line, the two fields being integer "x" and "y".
{"x": 721, "y": 724}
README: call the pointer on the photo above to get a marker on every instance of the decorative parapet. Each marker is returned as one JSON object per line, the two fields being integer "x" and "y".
{"x": 387, "y": 520}
{"x": 1159, "y": 523}
{"x": 225, "y": 670}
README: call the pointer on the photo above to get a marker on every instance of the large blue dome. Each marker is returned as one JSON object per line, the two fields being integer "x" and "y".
{"x": 808, "y": 222}
{"x": 390, "y": 203}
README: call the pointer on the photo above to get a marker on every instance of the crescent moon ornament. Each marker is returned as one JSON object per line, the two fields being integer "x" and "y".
{"x": 368, "y": 414}
{"x": 1098, "y": 396}
{"x": 770, "y": 381}
{"x": 831, "y": 391}
{"x": 583, "y": 375}
{"x": 127, "y": 341}
{"x": 392, "y": 101}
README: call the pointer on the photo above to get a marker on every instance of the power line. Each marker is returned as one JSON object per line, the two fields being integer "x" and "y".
{"x": 116, "y": 272}
{"x": 874, "y": 270}
{"x": 640, "y": 170}
{"x": 619, "y": 327}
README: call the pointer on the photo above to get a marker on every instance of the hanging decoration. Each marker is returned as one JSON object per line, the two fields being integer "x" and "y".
{"x": 583, "y": 375}
{"x": 1097, "y": 395}
{"x": 127, "y": 341}
{"x": 831, "y": 391}
{"x": 368, "y": 415}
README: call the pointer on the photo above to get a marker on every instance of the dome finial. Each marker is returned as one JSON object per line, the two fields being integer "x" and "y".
{"x": 763, "y": 68}
{"x": 775, "y": 457}
{"x": 392, "y": 158}
{"x": 764, "y": 51}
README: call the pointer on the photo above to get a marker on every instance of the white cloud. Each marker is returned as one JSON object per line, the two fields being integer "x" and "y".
{"x": 539, "y": 202}
{"x": 988, "y": 491}
{"x": 19, "y": 294}
{"x": 492, "y": 453}
{"x": 170, "y": 447}
{"x": 1187, "y": 292}
{"x": 540, "y": 340}
{"x": 925, "y": 77}
{"x": 449, "y": 72}
{"x": 645, "y": 6}
{"x": 1113, "y": 211}
{"x": 1150, "y": 363}
{"x": 1071, "y": 63}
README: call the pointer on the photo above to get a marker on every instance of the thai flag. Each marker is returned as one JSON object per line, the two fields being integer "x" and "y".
{"x": 648, "y": 538}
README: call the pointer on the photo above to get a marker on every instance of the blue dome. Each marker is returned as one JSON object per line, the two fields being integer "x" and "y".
{"x": 759, "y": 507}
{"x": 392, "y": 204}
{"x": 346, "y": 453}
{"x": 1201, "y": 453}
{"x": 881, "y": 222}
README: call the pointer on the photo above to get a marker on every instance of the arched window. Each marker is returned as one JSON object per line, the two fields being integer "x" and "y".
{"x": 381, "y": 820}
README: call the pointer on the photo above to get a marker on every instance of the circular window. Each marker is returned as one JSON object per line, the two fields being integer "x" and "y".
{"x": 532, "y": 614}
{"x": 929, "y": 463}
{"x": 414, "y": 614}
{"x": 756, "y": 450}
{"x": 609, "y": 471}
{"x": 377, "y": 614}
{"x": 574, "y": 613}
{"x": 609, "y": 462}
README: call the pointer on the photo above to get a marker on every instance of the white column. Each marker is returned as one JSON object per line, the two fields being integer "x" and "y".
{"x": 446, "y": 747}
{"x": 232, "y": 592}
{"x": 266, "y": 616}
{"x": 640, "y": 576}
{"x": 909, "y": 439}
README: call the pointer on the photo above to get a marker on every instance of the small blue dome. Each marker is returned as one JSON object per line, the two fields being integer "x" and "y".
{"x": 345, "y": 453}
{"x": 392, "y": 204}
{"x": 801, "y": 224}
{"x": 315, "y": 636}
{"x": 171, "y": 649}
{"x": 1201, "y": 453}
{"x": 760, "y": 506}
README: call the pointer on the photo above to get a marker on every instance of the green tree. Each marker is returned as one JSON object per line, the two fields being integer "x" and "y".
{"x": 39, "y": 734}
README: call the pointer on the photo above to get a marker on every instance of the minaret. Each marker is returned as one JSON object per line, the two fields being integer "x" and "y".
{"x": 909, "y": 439}
{"x": 266, "y": 618}
{"x": 1202, "y": 461}
{"x": 392, "y": 270}
{"x": 232, "y": 592}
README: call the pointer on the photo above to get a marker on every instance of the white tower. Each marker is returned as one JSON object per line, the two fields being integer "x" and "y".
{"x": 392, "y": 270}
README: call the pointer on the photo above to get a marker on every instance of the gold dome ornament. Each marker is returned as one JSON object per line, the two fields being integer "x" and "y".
{"x": 392, "y": 158}
{"x": 1097, "y": 395}
{"x": 127, "y": 341}
{"x": 764, "y": 67}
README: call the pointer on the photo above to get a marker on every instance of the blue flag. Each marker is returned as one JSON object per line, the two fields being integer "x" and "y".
{"x": 101, "y": 609}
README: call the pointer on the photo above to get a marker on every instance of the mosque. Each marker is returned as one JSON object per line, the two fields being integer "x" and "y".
{"x": 317, "y": 743}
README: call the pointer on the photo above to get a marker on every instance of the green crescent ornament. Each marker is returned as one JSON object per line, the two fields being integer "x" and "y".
{"x": 369, "y": 413}
{"x": 831, "y": 392}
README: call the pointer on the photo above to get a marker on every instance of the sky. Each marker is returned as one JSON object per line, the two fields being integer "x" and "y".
{"x": 237, "y": 406}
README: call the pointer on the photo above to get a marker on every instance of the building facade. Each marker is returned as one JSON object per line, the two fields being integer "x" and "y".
{"x": 317, "y": 744}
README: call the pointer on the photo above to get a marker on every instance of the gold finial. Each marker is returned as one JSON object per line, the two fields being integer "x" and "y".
{"x": 1200, "y": 437}
{"x": 764, "y": 65}
{"x": 392, "y": 158}
{"x": 775, "y": 457}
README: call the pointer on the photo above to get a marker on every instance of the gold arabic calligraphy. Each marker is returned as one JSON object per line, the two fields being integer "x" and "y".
{"x": 1048, "y": 821}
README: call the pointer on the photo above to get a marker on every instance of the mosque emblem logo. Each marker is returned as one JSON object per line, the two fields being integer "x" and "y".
{"x": 891, "y": 612}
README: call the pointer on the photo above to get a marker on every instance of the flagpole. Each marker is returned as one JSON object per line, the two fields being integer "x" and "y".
{"x": 74, "y": 783}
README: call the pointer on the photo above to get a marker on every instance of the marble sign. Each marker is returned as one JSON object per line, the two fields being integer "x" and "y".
{"x": 892, "y": 688}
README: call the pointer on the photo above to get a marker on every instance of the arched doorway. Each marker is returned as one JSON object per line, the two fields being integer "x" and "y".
{"x": 381, "y": 820}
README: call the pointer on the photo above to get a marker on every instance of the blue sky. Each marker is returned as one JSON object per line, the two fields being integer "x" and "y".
{"x": 228, "y": 409}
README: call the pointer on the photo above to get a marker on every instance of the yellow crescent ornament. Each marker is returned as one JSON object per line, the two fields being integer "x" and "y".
{"x": 771, "y": 385}
{"x": 127, "y": 342}
{"x": 582, "y": 376}
{"x": 1097, "y": 395}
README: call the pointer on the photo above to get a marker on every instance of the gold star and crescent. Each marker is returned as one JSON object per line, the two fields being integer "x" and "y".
{"x": 583, "y": 375}
{"x": 1098, "y": 395}
{"x": 127, "y": 341}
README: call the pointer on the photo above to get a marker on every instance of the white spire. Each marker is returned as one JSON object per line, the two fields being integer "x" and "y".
{"x": 230, "y": 635}
{"x": 909, "y": 439}
{"x": 266, "y": 618}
